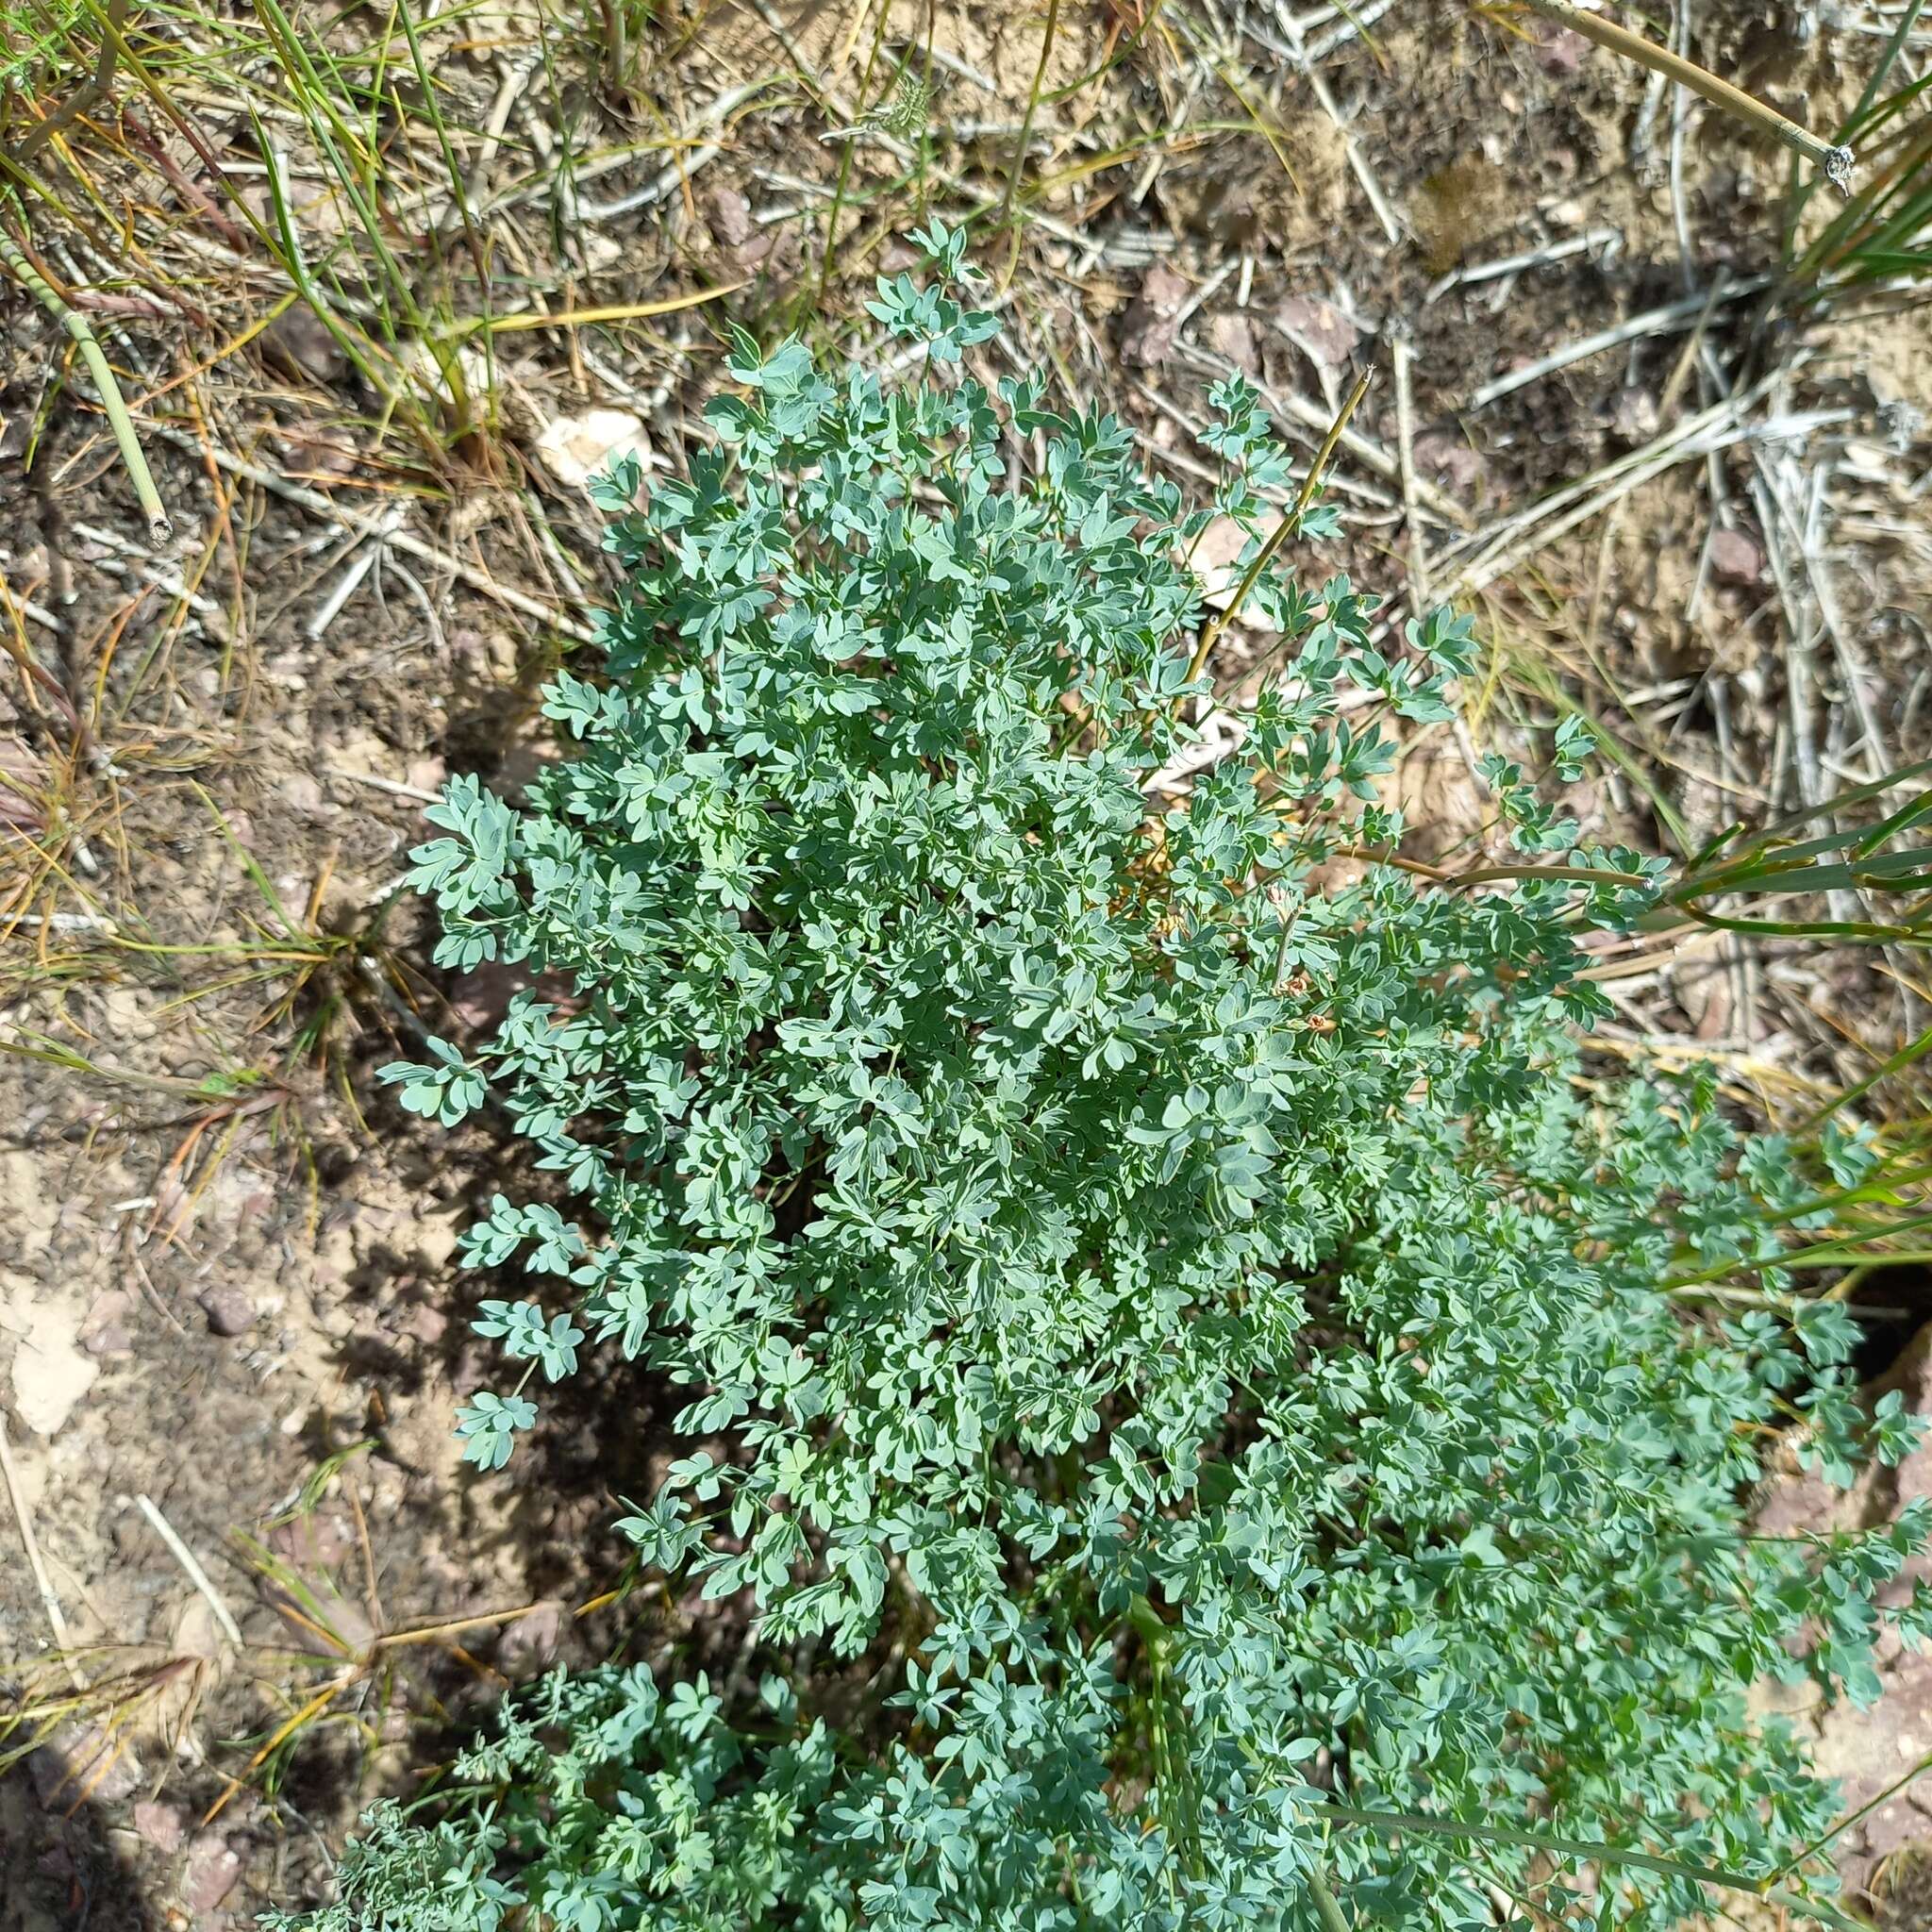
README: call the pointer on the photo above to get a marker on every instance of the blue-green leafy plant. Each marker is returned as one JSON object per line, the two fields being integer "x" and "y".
{"x": 1170, "y": 1294}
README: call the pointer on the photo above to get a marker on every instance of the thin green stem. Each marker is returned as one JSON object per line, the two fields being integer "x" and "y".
{"x": 851, "y": 134}
{"x": 1882, "y": 1188}
{"x": 1019, "y": 167}
{"x": 1487, "y": 874}
{"x": 1595, "y": 1854}
{"x": 105, "y": 387}
{"x": 1123, "y": 50}
{"x": 1327, "y": 1910}
{"x": 1897, "y": 1063}
{"x": 1282, "y": 531}
{"x": 1827, "y": 1254}
{"x": 1857, "y": 1817}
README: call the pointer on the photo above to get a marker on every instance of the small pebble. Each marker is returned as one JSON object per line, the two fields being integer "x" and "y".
{"x": 228, "y": 1311}
{"x": 212, "y": 1869}
{"x": 1327, "y": 334}
{"x": 104, "y": 1332}
{"x": 1147, "y": 332}
{"x": 532, "y": 1641}
{"x": 163, "y": 1826}
{"x": 1737, "y": 557}
{"x": 428, "y": 1326}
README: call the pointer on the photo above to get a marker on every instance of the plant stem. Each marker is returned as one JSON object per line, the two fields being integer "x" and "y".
{"x": 84, "y": 97}
{"x": 160, "y": 530}
{"x": 1327, "y": 1910}
{"x": 1601, "y": 1854}
{"x": 851, "y": 134}
{"x": 1488, "y": 874}
{"x": 1824, "y": 1254}
{"x": 1052, "y": 18}
{"x": 1857, "y": 1817}
{"x": 1282, "y": 531}
{"x": 1836, "y": 162}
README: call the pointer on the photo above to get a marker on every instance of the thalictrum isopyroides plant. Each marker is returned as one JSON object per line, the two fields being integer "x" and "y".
{"x": 1169, "y": 1301}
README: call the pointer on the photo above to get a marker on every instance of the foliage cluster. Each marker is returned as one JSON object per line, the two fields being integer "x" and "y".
{"x": 1164, "y": 1292}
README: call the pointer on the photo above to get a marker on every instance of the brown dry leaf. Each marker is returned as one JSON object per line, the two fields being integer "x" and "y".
{"x": 1321, "y": 329}
{"x": 1148, "y": 329}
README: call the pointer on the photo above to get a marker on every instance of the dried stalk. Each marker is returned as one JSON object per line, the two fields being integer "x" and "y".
{"x": 1835, "y": 162}
{"x": 1288, "y": 525}
{"x": 49, "y": 1602}
{"x": 105, "y": 386}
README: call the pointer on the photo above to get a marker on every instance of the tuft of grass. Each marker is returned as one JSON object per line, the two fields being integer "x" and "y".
{"x": 100, "y": 1700}
{"x": 1773, "y": 863}
{"x": 368, "y": 1672}
{"x": 1883, "y": 233}
{"x": 345, "y": 1672}
{"x": 396, "y": 320}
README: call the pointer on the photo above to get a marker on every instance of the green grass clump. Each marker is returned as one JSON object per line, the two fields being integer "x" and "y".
{"x": 1880, "y": 241}
{"x": 36, "y": 35}
{"x": 1164, "y": 1296}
